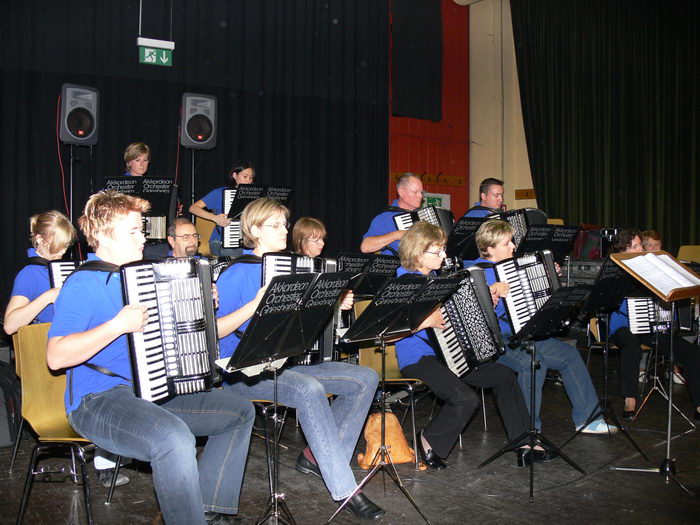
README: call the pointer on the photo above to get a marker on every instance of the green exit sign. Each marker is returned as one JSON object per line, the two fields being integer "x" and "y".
{"x": 155, "y": 52}
{"x": 155, "y": 56}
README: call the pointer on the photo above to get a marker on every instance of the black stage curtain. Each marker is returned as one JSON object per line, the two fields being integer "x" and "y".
{"x": 416, "y": 59}
{"x": 611, "y": 105}
{"x": 301, "y": 85}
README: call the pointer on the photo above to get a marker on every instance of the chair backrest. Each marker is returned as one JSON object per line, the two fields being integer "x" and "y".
{"x": 204, "y": 229}
{"x": 371, "y": 356}
{"x": 689, "y": 252}
{"x": 42, "y": 390}
{"x": 559, "y": 222}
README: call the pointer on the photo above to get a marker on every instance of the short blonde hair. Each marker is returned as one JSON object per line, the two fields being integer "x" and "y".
{"x": 54, "y": 228}
{"x": 490, "y": 233}
{"x": 304, "y": 229}
{"x": 650, "y": 235}
{"x": 257, "y": 212}
{"x": 104, "y": 208}
{"x": 135, "y": 149}
{"x": 416, "y": 241}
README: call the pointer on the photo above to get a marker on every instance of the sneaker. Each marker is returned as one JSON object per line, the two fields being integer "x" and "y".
{"x": 599, "y": 426}
{"x": 104, "y": 476}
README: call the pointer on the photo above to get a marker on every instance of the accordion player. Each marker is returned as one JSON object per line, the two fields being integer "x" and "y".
{"x": 176, "y": 351}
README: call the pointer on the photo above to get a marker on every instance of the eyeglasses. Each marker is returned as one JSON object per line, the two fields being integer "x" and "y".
{"x": 317, "y": 241}
{"x": 441, "y": 253}
{"x": 278, "y": 225}
{"x": 188, "y": 236}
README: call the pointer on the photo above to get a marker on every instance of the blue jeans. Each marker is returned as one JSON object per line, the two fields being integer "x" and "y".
{"x": 557, "y": 355}
{"x": 216, "y": 249}
{"x": 331, "y": 430}
{"x": 164, "y": 435}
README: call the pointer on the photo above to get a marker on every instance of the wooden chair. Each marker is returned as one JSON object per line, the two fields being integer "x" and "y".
{"x": 204, "y": 229}
{"x": 689, "y": 253}
{"x": 43, "y": 408}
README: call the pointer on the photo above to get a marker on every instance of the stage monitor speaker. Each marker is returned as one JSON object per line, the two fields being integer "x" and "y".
{"x": 79, "y": 115}
{"x": 198, "y": 121}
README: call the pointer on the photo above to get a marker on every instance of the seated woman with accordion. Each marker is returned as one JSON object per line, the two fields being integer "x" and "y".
{"x": 422, "y": 250}
{"x": 494, "y": 241}
{"x": 685, "y": 353}
{"x": 331, "y": 430}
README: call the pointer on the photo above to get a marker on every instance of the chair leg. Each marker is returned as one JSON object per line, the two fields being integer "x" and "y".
{"x": 28, "y": 483}
{"x": 113, "y": 484}
{"x": 16, "y": 447}
{"x": 412, "y": 402}
{"x": 483, "y": 411}
{"x": 78, "y": 450}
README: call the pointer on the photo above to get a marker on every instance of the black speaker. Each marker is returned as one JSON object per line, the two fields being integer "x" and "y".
{"x": 79, "y": 115}
{"x": 198, "y": 121}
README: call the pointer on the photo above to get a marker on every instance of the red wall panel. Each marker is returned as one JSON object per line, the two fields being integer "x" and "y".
{"x": 440, "y": 149}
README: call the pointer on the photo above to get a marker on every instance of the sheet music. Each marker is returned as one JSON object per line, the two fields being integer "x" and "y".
{"x": 662, "y": 272}
{"x": 251, "y": 371}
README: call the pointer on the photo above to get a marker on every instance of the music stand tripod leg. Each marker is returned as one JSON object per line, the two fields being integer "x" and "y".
{"x": 383, "y": 452}
{"x": 535, "y": 436}
{"x": 668, "y": 466}
{"x": 276, "y": 511}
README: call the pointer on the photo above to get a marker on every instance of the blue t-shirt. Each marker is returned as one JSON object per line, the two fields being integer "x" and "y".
{"x": 89, "y": 299}
{"x": 214, "y": 200}
{"x": 32, "y": 281}
{"x": 490, "y": 275}
{"x": 237, "y": 286}
{"x": 619, "y": 318}
{"x": 383, "y": 224}
{"x": 411, "y": 349}
{"x": 478, "y": 211}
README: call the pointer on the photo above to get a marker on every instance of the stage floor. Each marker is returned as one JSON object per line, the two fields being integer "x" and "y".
{"x": 498, "y": 493}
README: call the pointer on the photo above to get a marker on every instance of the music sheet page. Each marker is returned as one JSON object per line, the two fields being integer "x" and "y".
{"x": 662, "y": 272}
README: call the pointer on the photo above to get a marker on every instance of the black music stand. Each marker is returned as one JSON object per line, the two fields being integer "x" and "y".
{"x": 399, "y": 307}
{"x": 287, "y": 321}
{"x": 550, "y": 319}
{"x": 610, "y": 288}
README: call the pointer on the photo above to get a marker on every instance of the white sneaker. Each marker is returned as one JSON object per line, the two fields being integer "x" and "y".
{"x": 599, "y": 426}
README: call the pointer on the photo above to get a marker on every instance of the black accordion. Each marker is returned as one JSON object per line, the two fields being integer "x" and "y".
{"x": 176, "y": 351}
{"x": 60, "y": 270}
{"x": 520, "y": 220}
{"x": 231, "y": 236}
{"x": 437, "y": 216}
{"x": 472, "y": 335}
{"x": 285, "y": 263}
{"x": 532, "y": 279}
{"x": 647, "y": 316}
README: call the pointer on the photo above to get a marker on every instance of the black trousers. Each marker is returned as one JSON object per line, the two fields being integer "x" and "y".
{"x": 684, "y": 353}
{"x": 461, "y": 401}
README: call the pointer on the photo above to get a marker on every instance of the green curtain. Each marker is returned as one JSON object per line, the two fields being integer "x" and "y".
{"x": 611, "y": 110}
